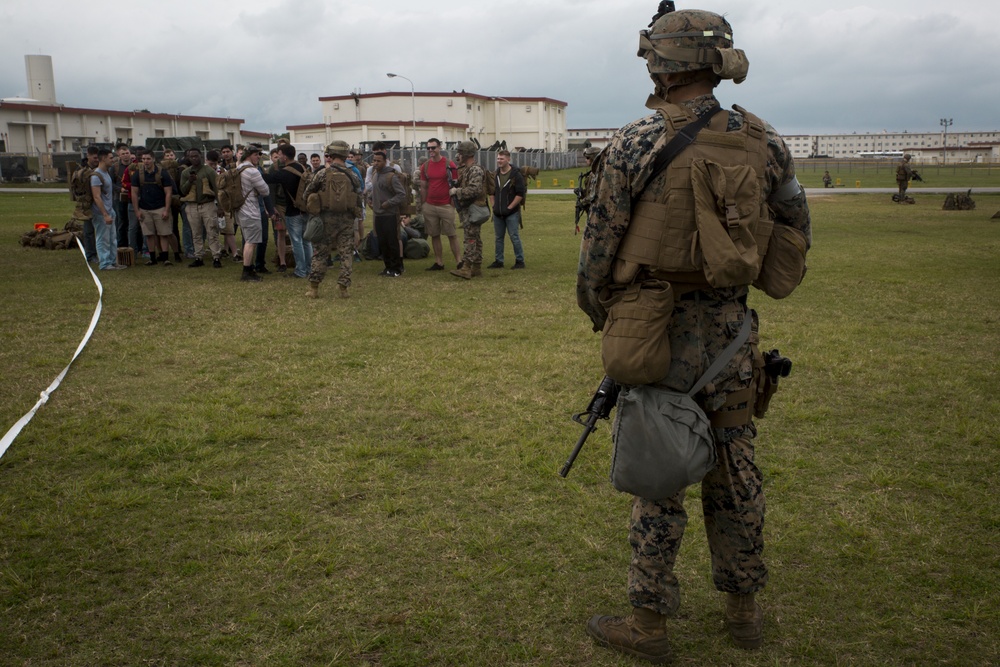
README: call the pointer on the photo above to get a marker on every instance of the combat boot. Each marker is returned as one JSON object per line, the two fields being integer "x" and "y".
{"x": 313, "y": 292}
{"x": 643, "y": 634}
{"x": 344, "y": 294}
{"x": 745, "y": 620}
{"x": 477, "y": 269}
{"x": 464, "y": 272}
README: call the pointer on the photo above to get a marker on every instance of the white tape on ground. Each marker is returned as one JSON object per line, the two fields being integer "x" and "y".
{"x": 15, "y": 430}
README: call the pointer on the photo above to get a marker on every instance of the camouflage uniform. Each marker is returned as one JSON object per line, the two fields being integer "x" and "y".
{"x": 471, "y": 191}
{"x": 338, "y": 229}
{"x": 704, "y": 321}
{"x": 904, "y": 172}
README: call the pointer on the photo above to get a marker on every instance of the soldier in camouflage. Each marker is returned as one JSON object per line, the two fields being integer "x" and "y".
{"x": 338, "y": 227}
{"x": 904, "y": 172}
{"x": 81, "y": 193}
{"x": 688, "y": 53}
{"x": 470, "y": 190}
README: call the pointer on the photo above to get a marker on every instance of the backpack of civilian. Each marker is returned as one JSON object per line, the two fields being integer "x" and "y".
{"x": 230, "y": 189}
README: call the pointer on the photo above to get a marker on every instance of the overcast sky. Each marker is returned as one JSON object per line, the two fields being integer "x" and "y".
{"x": 815, "y": 66}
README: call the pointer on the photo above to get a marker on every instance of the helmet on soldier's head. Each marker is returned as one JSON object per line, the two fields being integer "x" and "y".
{"x": 466, "y": 148}
{"x": 906, "y": 156}
{"x": 590, "y": 152}
{"x": 338, "y": 148}
{"x": 691, "y": 40}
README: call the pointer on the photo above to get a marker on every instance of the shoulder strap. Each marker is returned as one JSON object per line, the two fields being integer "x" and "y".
{"x": 678, "y": 143}
{"x": 726, "y": 355}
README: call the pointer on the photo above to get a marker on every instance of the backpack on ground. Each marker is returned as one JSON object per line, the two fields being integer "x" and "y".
{"x": 229, "y": 185}
{"x": 305, "y": 176}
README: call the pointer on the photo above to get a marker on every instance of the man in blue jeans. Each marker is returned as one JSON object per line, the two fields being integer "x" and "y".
{"x": 509, "y": 193}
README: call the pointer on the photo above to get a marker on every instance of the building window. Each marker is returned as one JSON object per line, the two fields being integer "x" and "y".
{"x": 468, "y": 107}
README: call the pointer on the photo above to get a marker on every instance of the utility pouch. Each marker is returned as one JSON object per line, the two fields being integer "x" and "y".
{"x": 635, "y": 345}
{"x": 727, "y": 211}
{"x": 315, "y": 231}
{"x": 478, "y": 214}
{"x": 663, "y": 442}
{"x": 784, "y": 265}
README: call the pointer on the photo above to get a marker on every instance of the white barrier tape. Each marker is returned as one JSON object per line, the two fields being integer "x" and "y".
{"x": 15, "y": 430}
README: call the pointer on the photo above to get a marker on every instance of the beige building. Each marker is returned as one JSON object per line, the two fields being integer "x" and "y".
{"x": 523, "y": 122}
{"x": 39, "y": 124}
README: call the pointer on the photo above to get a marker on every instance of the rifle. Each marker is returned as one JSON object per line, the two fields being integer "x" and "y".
{"x": 599, "y": 408}
{"x": 916, "y": 176}
{"x": 578, "y": 191}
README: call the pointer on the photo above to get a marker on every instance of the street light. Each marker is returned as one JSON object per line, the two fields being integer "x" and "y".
{"x": 945, "y": 123}
{"x": 413, "y": 98}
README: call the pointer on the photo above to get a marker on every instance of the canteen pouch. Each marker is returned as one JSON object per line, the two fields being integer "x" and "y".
{"x": 663, "y": 443}
{"x": 478, "y": 214}
{"x": 784, "y": 265}
{"x": 314, "y": 203}
{"x": 727, "y": 211}
{"x": 635, "y": 344}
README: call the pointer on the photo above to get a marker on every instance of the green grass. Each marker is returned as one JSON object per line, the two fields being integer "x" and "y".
{"x": 232, "y": 474}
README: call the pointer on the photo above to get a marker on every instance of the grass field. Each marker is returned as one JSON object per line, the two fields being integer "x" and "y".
{"x": 232, "y": 474}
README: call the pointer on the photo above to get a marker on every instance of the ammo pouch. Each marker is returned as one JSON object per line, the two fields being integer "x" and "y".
{"x": 727, "y": 211}
{"x": 784, "y": 265}
{"x": 663, "y": 440}
{"x": 635, "y": 345}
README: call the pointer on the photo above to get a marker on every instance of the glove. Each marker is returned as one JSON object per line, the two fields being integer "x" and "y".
{"x": 453, "y": 192}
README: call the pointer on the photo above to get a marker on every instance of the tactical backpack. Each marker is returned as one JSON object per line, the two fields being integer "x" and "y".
{"x": 338, "y": 195}
{"x": 305, "y": 177}
{"x": 229, "y": 185}
{"x": 80, "y": 190}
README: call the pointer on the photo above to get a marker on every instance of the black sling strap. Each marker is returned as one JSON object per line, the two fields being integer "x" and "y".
{"x": 681, "y": 140}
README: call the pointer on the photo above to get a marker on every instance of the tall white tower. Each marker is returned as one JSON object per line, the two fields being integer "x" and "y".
{"x": 41, "y": 80}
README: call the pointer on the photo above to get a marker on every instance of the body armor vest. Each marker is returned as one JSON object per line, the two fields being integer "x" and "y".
{"x": 703, "y": 221}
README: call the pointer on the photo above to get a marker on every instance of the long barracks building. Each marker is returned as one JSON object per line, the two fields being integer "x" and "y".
{"x": 523, "y": 122}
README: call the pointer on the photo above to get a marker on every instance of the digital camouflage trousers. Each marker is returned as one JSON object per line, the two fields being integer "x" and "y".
{"x": 339, "y": 237}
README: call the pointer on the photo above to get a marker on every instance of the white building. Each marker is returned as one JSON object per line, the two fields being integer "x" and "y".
{"x": 585, "y": 137}
{"x": 39, "y": 124}
{"x": 926, "y": 147}
{"x": 413, "y": 118}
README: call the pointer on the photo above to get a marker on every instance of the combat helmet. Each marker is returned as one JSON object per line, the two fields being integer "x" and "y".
{"x": 691, "y": 40}
{"x": 466, "y": 148}
{"x": 590, "y": 152}
{"x": 338, "y": 148}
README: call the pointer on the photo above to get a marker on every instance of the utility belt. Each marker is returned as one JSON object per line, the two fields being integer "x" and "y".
{"x": 635, "y": 345}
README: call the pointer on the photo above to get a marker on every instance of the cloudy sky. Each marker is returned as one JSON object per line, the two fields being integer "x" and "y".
{"x": 815, "y": 66}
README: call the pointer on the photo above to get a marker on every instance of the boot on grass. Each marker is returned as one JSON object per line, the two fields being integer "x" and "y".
{"x": 464, "y": 272}
{"x": 642, "y": 634}
{"x": 745, "y": 620}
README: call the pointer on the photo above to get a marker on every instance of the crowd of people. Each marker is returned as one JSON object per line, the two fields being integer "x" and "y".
{"x": 137, "y": 210}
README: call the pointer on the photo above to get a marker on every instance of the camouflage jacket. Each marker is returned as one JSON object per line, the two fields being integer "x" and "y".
{"x": 624, "y": 168}
{"x": 471, "y": 186}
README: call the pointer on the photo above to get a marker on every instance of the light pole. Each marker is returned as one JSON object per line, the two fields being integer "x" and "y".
{"x": 413, "y": 98}
{"x": 946, "y": 123}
